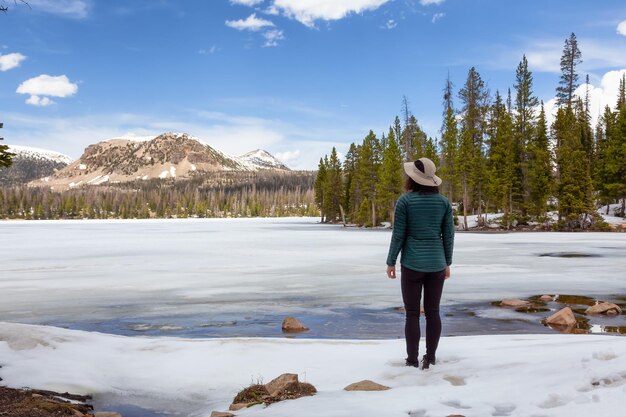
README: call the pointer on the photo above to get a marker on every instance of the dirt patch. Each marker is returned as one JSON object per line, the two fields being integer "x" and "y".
{"x": 33, "y": 403}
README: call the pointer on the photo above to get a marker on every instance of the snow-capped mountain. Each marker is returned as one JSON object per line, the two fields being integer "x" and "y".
{"x": 32, "y": 163}
{"x": 169, "y": 155}
{"x": 260, "y": 159}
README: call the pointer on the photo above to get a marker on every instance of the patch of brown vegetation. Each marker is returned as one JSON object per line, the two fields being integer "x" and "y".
{"x": 32, "y": 403}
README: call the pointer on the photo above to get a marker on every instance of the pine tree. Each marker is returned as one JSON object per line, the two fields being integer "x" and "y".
{"x": 391, "y": 175}
{"x": 333, "y": 187}
{"x": 367, "y": 166}
{"x": 470, "y": 162}
{"x": 539, "y": 167}
{"x": 5, "y": 156}
{"x": 568, "y": 83}
{"x": 525, "y": 104}
{"x": 349, "y": 170}
{"x": 500, "y": 159}
{"x": 430, "y": 150}
{"x": 449, "y": 143}
{"x": 320, "y": 181}
{"x": 574, "y": 184}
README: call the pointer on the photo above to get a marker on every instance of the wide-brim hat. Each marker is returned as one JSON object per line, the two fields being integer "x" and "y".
{"x": 427, "y": 176}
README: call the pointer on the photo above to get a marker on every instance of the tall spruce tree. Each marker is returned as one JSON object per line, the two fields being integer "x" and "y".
{"x": 333, "y": 187}
{"x": 499, "y": 166}
{"x": 349, "y": 168}
{"x": 525, "y": 104}
{"x": 368, "y": 163}
{"x": 320, "y": 181}
{"x": 449, "y": 143}
{"x": 539, "y": 167}
{"x": 471, "y": 158}
{"x": 568, "y": 83}
{"x": 391, "y": 175}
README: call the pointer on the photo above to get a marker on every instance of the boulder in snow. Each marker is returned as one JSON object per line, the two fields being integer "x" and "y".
{"x": 221, "y": 414}
{"x": 280, "y": 384}
{"x": 366, "y": 385}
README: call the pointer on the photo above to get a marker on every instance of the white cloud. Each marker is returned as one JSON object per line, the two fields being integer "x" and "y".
{"x": 308, "y": 11}
{"x": 45, "y": 85}
{"x": 429, "y": 2}
{"x": 213, "y": 49}
{"x": 437, "y": 16}
{"x": 272, "y": 37}
{"x": 248, "y": 3}
{"x": 599, "y": 97}
{"x": 390, "y": 24}
{"x": 78, "y": 9}
{"x": 621, "y": 28}
{"x": 10, "y": 61}
{"x": 39, "y": 101}
{"x": 544, "y": 55}
{"x": 252, "y": 23}
{"x": 288, "y": 157}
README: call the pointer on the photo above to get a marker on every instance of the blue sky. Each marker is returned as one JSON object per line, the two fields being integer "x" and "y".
{"x": 295, "y": 77}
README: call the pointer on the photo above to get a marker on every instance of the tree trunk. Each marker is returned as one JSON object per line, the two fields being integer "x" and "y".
{"x": 465, "y": 206}
{"x": 343, "y": 215}
{"x": 373, "y": 214}
{"x": 624, "y": 207}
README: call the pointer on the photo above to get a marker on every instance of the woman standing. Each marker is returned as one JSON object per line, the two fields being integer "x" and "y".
{"x": 424, "y": 231}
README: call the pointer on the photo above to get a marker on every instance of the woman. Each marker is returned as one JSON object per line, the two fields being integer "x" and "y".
{"x": 424, "y": 231}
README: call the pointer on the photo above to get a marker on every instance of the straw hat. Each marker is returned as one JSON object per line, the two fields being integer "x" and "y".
{"x": 422, "y": 172}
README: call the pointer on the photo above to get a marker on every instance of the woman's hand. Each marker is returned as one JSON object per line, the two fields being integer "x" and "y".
{"x": 391, "y": 272}
{"x": 447, "y": 273}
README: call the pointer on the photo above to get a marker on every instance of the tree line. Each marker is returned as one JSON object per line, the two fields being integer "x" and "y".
{"x": 228, "y": 194}
{"x": 496, "y": 153}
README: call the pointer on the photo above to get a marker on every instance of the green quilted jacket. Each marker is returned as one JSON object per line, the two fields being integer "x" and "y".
{"x": 424, "y": 231}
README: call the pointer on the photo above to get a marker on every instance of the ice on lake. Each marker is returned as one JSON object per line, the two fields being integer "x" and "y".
{"x": 239, "y": 277}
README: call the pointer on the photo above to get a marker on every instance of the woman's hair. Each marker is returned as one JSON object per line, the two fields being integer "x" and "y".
{"x": 411, "y": 185}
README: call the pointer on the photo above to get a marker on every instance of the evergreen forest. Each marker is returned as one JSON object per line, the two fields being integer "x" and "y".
{"x": 496, "y": 154}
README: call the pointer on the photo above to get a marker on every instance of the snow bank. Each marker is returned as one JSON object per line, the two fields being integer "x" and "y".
{"x": 611, "y": 218}
{"x": 540, "y": 375}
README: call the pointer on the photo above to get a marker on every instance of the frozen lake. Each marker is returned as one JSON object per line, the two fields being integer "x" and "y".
{"x": 240, "y": 277}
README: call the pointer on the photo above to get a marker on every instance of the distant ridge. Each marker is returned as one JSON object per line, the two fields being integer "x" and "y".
{"x": 169, "y": 155}
{"x": 32, "y": 163}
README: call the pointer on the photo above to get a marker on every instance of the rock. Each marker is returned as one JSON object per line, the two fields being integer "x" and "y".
{"x": 221, "y": 414}
{"x": 604, "y": 308}
{"x": 456, "y": 415}
{"x": 239, "y": 406}
{"x": 562, "y": 318}
{"x": 278, "y": 385}
{"x": 546, "y": 298}
{"x": 366, "y": 385}
{"x": 291, "y": 324}
{"x": 107, "y": 414}
{"x": 514, "y": 302}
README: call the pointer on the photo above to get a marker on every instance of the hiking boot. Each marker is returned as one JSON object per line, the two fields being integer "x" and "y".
{"x": 426, "y": 362}
{"x": 415, "y": 364}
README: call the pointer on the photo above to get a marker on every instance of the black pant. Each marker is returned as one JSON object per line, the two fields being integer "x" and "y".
{"x": 412, "y": 283}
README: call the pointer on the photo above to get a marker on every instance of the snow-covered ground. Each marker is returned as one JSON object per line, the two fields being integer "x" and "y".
{"x": 524, "y": 375}
{"x": 69, "y": 271}
{"x": 611, "y": 218}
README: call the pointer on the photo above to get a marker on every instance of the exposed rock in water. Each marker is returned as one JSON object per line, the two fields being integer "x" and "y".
{"x": 293, "y": 325}
{"x": 107, "y": 414}
{"x": 546, "y": 297}
{"x": 514, "y": 302}
{"x": 366, "y": 385}
{"x": 609, "y": 309}
{"x": 563, "y": 319}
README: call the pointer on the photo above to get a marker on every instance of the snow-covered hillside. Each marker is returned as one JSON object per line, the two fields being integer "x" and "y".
{"x": 260, "y": 159}
{"x": 38, "y": 153}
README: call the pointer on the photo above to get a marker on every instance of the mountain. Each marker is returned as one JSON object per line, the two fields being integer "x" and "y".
{"x": 169, "y": 155}
{"x": 32, "y": 163}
